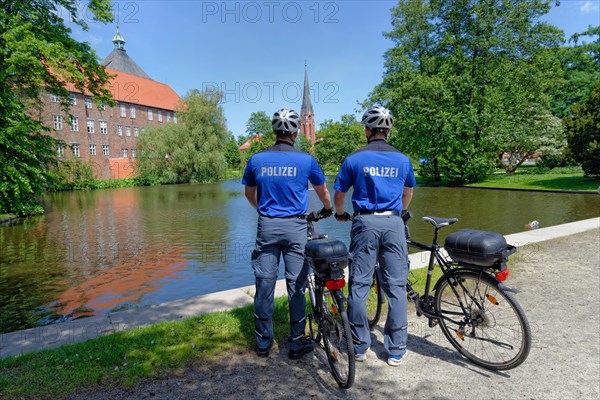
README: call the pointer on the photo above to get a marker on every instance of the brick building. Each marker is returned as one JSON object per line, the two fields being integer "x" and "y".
{"x": 107, "y": 136}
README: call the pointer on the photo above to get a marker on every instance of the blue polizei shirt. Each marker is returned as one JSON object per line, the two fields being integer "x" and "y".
{"x": 378, "y": 172}
{"x": 281, "y": 174}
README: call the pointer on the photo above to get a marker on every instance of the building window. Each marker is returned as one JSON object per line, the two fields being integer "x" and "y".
{"x": 60, "y": 150}
{"x": 102, "y": 106}
{"x": 72, "y": 99}
{"x": 133, "y": 153}
{"x": 175, "y": 117}
{"x": 127, "y": 130}
{"x": 88, "y": 102}
{"x": 120, "y": 130}
{"x": 159, "y": 116}
{"x": 58, "y": 122}
{"x": 105, "y": 149}
{"x": 75, "y": 148}
{"x": 104, "y": 127}
{"x": 124, "y": 153}
{"x": 132, "y": 111}
{"x": 150, "y": 117}
{"x": 123, "y": 110}
{"x": 92, "y": 149}
{"x": 168, "y": 116}
{"x": 54, "y": 98}
{"x": 90, "y": 125}
{"x": 136, "y": 131}
{"x": 74, "y": 123}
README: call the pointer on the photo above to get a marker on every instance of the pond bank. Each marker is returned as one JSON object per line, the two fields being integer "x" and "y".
{"x": 55, "y": 335}
{"x": 558, "y": 280}
{"x": 4, "y": 218}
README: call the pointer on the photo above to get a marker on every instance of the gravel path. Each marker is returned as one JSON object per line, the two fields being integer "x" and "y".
{"x": 560, "y": 284}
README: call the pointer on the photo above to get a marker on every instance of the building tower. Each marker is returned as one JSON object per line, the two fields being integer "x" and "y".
{"x": 120, "y": 61}
{"x": 307, "y": 115}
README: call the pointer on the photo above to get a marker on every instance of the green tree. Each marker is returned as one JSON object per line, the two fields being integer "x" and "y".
{"x": 38, "y": 56}
{"x": 303, "y": 144}
{"x": 583, "y": 129}
{"x": 529, "y": 133}
{"x": 259, "y": 123}
{"x": 457, "y": 70}
{"x": 191, "y": 150}
{"x": 336, "y": 140}
{"x": 232, "y": 153}
{"x": 581, "y": 66}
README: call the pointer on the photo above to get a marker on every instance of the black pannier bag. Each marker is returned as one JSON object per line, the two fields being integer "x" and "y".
{"x": 472, "y": 247}
{"x": 328, "y": 257}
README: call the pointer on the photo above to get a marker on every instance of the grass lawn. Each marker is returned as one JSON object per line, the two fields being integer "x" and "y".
{"x": 125, "y": 358}
{"x": 550, "y": 181}
{"x": 2, "y": 216}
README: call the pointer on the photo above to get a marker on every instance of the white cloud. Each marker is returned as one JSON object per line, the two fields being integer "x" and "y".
{"x": 589, "y": 6}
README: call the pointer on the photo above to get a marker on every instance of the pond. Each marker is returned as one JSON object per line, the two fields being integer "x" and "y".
{"x": 98, "y": 251}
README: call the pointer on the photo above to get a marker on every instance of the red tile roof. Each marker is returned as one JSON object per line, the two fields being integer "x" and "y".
{"x": 133, "y": 89}
{"x": 248, "y": 143}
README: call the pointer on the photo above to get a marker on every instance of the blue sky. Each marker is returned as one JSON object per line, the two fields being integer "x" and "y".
{"x": 255, "y": 51}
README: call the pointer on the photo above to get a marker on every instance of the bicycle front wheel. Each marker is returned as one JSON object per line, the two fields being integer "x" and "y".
{"x": 483, "y": 322}
{"x": 337, "y": 338}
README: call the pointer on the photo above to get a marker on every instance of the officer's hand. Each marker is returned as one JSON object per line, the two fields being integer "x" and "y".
{"x": 406, "y": 215}
{"x": 344, "y": 217}
{"x": 326, "y": 213}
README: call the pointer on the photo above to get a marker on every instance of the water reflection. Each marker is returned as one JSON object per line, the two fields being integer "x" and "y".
{"x": 98, "y": 251}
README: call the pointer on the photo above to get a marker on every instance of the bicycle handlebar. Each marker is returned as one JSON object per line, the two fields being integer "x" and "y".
{"x": 319, "y": 215}
{"x": 313, "y": 217}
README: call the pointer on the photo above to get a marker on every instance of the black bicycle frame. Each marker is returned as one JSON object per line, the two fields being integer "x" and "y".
{"x": 447, "y": 271}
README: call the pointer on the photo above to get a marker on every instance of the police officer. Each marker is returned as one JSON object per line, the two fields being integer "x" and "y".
{"x": 383, "y": 180}
{"x": 276, "y": 182}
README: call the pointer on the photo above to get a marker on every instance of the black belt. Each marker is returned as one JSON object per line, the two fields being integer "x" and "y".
{"x": 378, "y": 212}
{"x": 300, "y": 216}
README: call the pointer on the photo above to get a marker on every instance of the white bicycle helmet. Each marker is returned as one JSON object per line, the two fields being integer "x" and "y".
{"x": 286, "y": 120}
{"x": 378, "y": 117}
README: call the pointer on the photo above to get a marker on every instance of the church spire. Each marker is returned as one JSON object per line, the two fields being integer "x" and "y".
{"x": 306, "y": 104}
{"x": 307, "y": 115}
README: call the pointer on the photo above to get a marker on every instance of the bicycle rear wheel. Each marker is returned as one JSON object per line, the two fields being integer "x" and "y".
{"x": 483, "y": 322}
{"x": 375, "y": 301}
{"x": 337, "y": 338}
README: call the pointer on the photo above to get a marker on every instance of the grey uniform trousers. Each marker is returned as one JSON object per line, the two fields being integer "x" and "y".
{"x": 277, "y": 236}
{"x": 372, "y": 238}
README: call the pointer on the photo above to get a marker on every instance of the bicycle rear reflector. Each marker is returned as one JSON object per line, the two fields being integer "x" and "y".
{"x": 502, "y": 275}
{"x": 336, "y": 284}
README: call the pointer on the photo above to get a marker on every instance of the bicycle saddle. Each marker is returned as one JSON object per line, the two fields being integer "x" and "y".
{"x": 440, "y": 222}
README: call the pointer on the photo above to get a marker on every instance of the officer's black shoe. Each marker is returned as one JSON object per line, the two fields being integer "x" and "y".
{"x": 264, "y": 352}
{"x": 300, "y": 347}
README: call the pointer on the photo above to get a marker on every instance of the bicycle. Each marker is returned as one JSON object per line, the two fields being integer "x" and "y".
{"x": 328, "y": 258}
{"x": 476, "y": 312}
